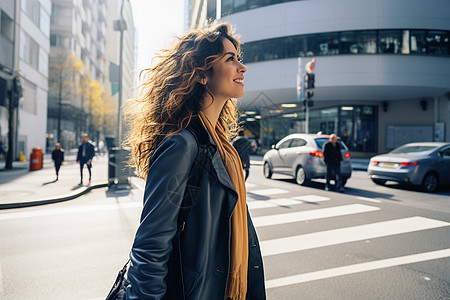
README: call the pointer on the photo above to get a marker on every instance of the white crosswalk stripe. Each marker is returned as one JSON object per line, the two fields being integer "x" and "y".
{"x": 349, "y": 234}
{"x": 311, "y": 198}
{"x": 257, "y": 204}
{"x": 312, "y": 214}
{"x": 268, "y": 192}
{"x": 357, "y": 268}
{"x": 334, "y": 237}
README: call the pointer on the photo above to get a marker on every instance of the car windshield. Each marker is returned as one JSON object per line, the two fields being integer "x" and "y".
{"x": 321, "y": 141}
{"x": 414, "y": 150}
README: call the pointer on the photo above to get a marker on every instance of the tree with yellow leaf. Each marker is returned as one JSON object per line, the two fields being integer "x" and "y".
{"x": 61, "y": 75}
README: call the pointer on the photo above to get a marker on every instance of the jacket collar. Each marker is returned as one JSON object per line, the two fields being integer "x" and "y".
{"x": 205, "y": 139}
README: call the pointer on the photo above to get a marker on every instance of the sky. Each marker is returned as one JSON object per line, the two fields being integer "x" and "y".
{"x": 156, "y": 22}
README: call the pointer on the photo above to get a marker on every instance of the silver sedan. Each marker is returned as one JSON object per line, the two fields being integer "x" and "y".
{"x": 422, "y": 164}
{"x": 300, "y": 156}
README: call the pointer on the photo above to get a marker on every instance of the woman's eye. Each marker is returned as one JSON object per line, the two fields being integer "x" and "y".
{"x": 231, "y": 58}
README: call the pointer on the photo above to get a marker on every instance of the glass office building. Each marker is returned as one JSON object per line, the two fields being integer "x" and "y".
{"x": 382, "y": 68}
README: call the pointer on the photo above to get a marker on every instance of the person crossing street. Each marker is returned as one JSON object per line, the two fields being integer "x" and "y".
{"x": 333, "y": 160}
{"x": 86, "y": 153}
{"x": 58, "y": 158}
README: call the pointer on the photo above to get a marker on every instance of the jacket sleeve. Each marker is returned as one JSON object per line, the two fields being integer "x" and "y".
{"x": 339, "y": 152}
{"x": 79, "y": 154}
{"x": 166, "y": 181}
{"x": 92, "y": 151}
{"x": 325, "y": 152}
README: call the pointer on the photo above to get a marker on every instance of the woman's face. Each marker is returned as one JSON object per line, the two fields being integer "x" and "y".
{"x": 228, "y": 75}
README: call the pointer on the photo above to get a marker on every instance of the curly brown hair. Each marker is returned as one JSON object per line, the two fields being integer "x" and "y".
{"x": 171, "y": 93}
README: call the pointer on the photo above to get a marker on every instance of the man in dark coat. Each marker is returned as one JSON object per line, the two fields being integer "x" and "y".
{"x": 333, "y": 160}
{"x": 243, "y": 148}
{"x": 85, "y": 154}
{"x": 58, "y": 158}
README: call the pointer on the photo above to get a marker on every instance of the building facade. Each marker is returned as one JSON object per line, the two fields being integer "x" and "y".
{"x": 77, "y": 58}
{"x": 25, "y": 51}
{"x": 382, "y": 74}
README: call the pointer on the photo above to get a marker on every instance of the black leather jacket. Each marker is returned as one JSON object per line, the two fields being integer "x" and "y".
{"x": 205, "y": 240}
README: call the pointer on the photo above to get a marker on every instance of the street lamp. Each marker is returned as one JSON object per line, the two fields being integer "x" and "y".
{"x": 120, "y": 25}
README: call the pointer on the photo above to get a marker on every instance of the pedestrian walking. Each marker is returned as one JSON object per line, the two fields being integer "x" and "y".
{"x": 86, "y": 153}
{"x": 58, "y": 158}
{"x": 243, "y": 147}
{"x": 333, "y": 160}
{"x": 3, "y": 150}
{"x": 187, "y": 107}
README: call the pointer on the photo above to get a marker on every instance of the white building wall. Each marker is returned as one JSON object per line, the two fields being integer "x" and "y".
{"x": 402, "y": 80}
{"x": 303, "y": 17}
{"x": 32, "y": 125}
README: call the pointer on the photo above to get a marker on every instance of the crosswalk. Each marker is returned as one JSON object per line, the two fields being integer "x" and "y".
{"x": 267, "y": 216}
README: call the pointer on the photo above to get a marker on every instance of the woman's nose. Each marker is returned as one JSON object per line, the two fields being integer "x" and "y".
{"x": 243, "y": 68}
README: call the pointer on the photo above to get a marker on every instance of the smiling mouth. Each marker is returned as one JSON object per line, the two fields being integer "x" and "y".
{"x": 239, "y": 80}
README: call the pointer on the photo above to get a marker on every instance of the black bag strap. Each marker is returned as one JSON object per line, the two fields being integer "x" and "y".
{"x": 193, "y": 187}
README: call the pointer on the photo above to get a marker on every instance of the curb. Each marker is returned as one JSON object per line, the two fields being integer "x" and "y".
{"x": 51, "y": 201}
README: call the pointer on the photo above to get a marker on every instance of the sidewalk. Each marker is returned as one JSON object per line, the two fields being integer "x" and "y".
{"x": 20, "y": 187}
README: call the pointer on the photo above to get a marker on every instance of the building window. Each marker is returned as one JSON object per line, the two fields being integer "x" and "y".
{"x": 60, "y": 14}
{"x": 418, "y": 42}
{"x": 6, "y": 40}
{"x": 407, "y": 42}
{"x": 44, "y": 23}
{"x": 328, "y": 43}
{"x": 257, "y": 3}
{"x": 226, "y": 7}
{"x": 234, "y": 6}
{"x": 390, "y": 41}
{"x": 29, "y": 50}
{"x": 239, "y": 5}
{"x": 31, "y": 8}
{"x": 437, "y": 42}
{"x": 43, "y": 62}
{"x": 29, "y": 103}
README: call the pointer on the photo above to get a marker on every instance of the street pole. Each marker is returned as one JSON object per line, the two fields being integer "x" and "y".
{"x": 119, "y": 117}
{"x": 12, "y": 132}
{"x": 307, "y": 118}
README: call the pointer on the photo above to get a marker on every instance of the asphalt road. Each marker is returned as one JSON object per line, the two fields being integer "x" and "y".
{"x": 371, "y": 242}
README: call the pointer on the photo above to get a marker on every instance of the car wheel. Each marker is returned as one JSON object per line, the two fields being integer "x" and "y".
{"x": 344, "y": 181}
{"x": 379, "y": 181}
{"x": 430, "y": 182}
{"x": 300, "y": 176}
{"x": 267, "y": 170}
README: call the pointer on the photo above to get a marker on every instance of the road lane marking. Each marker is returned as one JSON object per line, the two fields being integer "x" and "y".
{"x": 368, "y": 199}
{"x": 357, "y": 268}
{"x": 312, "y": 214}
{"x": 69, "y": 210}
{"x": 311, "y": 198}
{"x": 257, "y": 204}
{"x": 267, "y": 192}
{"x": 349, "y": 234}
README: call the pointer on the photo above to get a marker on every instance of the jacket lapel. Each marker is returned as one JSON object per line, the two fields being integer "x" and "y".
{"x": 205, "y": 140}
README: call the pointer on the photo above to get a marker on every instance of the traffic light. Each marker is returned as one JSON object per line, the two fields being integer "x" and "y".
{"x": 309, "y": 93}
{"x": 309, "y": 80}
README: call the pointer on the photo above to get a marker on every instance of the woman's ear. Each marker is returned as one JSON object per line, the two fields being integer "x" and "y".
{"x": 202, "y": 80}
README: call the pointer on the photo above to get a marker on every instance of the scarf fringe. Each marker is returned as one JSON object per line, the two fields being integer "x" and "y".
{"x": 236, "y": 289}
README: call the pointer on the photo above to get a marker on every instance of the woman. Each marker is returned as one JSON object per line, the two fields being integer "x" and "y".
{"x": 58, "y": 158}
{"x": 192, "y": 87}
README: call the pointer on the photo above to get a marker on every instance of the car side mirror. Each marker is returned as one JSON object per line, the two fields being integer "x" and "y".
{"x": 274, "y": 147}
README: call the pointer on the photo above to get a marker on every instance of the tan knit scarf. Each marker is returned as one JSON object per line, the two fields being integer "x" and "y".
{"x": 237, "y": 278}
